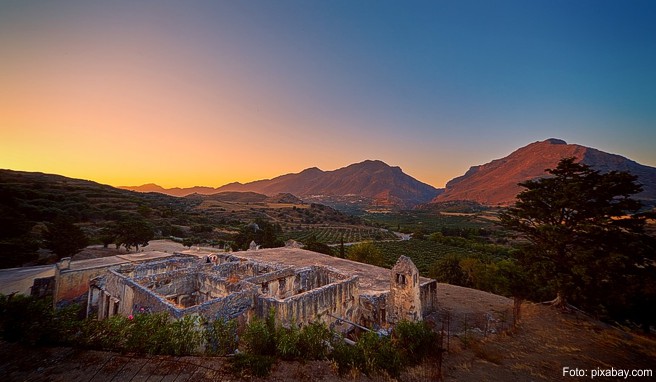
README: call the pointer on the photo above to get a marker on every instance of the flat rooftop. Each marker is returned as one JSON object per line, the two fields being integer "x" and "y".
{"x": 108, "y": 261}
{"x": 372, "y": 280}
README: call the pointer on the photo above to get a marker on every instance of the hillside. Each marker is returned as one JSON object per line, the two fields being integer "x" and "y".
{"x": 30, "y": 200}
{"x": 372, "y": 181}
{"x": 495, "y": 183}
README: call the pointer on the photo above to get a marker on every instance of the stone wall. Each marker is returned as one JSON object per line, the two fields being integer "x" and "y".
{"x": 428, "y": 296}
{"x": 338, "y": 299}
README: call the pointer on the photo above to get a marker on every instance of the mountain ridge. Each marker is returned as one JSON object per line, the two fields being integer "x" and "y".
{"x": 496, "y": 182}
{"x": 374, "y": 179}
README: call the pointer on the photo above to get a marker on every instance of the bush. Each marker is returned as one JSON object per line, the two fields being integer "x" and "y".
{"x": 288, "y": 343}
{"x": 33, "y": 321}
{"x": 369, "y": 355}
{"x": 314, "y": 340}
{"x": 221, "y": 337}
{"x": 259, "y": 339}
{"x": 415, "y": 340}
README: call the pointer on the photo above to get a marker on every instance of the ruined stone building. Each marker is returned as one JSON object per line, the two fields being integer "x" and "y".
{"x": 298, "y": 285}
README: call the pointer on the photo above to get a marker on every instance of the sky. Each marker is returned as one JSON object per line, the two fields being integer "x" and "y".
{"x": 185, "y": 93}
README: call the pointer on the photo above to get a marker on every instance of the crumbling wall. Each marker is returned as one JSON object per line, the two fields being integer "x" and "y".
{"x": 372, "y": 310}
{"x": 150, "y": 268}
{"x": 72, "y": 285}
{"x": 241, "y": 269}
{"x": 404, "y": 302}
{"x": 338, "y": 299}
{"x": 428, "y": 296}
{"x": 43, "y": 286}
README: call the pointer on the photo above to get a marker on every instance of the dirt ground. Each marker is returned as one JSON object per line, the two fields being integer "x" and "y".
{"x": 545, "y": 341}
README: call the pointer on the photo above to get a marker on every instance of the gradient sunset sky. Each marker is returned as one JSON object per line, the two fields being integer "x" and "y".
{"x": 186, "y": 93}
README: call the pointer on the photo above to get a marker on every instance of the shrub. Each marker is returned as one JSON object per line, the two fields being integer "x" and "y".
{"x": 259, "y": 339}
{"x": 183, "y": 336}
{"x": 288, "y": 342}
{"x": 415, "y": 340}
{"x": 346, "y": 357}
{"x": 221, "y": 337}
{"x": 33, "y": 321}
{"x": 369, "y": 355}
{"x": 314, "y": 340}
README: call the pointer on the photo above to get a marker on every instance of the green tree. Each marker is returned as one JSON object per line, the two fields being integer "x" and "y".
{"x": 366, "y": 252}
{"x": 133, "y": 232}
{"x": 64, "y": 238}
{"x": 584, "y": 238}
{"x": 342, "y": 250}
{"x": 17, "y": 246}
{"x": 312, "y": 244}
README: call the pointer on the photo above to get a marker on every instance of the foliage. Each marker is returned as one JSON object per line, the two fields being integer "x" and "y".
{"x": 416, "y": 340}
{"x": 427, "y": 221}
{"x": 336, "y": 235}
{"x": 584, "y": 239}
{"x": 17, "y": 246}
{"x": 288, "y": 342}
{"x": 370, "y": 354}
{"x": 313, "y": 245}
{"x": 448, "y": 270}
{"x": 313, "y": 341}
{"x": 133, "y": 232}
{"x": 33, "y": 321}
{"x": 260, "y": 336}
{"x": 64, "y": 238}
{"x": 366, "y": 253}
{"x": 221, "y": 337}
{"x": 264, "y": 233}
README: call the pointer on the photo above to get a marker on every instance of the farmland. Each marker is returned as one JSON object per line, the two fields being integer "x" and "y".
{"x": 422, "y": 252}
{"x": 334, "y": 235}
{"x": 413, "y": 221}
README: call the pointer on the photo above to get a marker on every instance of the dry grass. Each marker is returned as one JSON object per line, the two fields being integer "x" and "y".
{"x": 545, "y": 342}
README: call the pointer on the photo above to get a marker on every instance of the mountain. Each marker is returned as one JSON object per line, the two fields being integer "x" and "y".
{"x": 495, "y": 183}
{"x": 372, "y": 179}
{"x": 176, "y": 191}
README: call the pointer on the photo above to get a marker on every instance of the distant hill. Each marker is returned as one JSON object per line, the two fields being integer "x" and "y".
{"x": 495, "y": 183}
{"x": 176, "y": 191}
{"x": 374, "y": 180}
{"x": 384, "y": 184}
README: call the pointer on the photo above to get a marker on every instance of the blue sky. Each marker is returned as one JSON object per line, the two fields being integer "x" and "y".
{"x": 211, "y": 92}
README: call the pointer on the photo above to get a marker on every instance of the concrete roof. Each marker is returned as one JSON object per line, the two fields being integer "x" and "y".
{"x": 109, "y": 261}
{"x": 372, "y": 279}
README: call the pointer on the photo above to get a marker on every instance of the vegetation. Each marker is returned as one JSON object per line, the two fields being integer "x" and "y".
{"x": 334, "y": 235}
{"x": 34, "y": 322}
{"x": 365, "y": 252}
{"x": 585, "y": 242}
{"x": 428, "y": 221}
{"x": 32, "y": 202}
{"x": 64, "y": 238}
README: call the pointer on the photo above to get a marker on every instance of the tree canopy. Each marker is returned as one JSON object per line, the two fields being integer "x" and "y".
{"x": 585, "y": 242}
{"x": 64, "y": 238}
{"x": 366, "y": 253}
